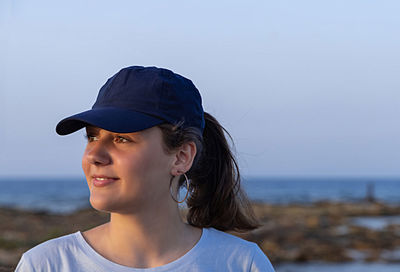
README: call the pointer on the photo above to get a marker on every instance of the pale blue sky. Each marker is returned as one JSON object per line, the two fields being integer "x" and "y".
{"x": 304, "y": 87}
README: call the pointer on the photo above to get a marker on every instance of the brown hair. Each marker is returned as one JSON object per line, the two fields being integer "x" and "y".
{"x": 216, "y": 199}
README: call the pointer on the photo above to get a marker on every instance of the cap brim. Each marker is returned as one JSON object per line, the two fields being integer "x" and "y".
{"x": 112, "y": 119}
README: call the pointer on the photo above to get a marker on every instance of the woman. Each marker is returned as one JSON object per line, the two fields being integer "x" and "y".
{"x": 147, "y": 137}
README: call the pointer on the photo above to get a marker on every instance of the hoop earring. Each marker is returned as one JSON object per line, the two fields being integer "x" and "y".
{"x": 187, "y": 191}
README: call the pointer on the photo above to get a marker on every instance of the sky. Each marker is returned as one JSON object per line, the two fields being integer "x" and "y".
{"x": 304, "y": 87}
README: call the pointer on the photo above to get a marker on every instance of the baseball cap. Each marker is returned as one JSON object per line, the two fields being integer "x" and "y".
{"x": 140, "y": 97}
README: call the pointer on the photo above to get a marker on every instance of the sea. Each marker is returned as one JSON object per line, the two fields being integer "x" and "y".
{"x": 66, "y": 195}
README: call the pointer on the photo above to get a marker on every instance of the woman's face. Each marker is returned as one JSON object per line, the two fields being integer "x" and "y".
{"x": 127, "y": 173}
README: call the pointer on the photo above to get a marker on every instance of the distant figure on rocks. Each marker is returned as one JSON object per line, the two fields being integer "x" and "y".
{"x": 370, "y": 197}
{"x": 148, "y": 136}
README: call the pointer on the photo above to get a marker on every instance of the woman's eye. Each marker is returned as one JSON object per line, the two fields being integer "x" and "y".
{"x": 120, "y": 139}
{"x": 90, "y": 138}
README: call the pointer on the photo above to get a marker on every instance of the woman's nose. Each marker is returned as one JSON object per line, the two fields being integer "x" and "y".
{"x": 97, "y": 153}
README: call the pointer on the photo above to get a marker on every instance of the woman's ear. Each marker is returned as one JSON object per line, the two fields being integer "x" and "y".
{"x": 184, "y": 157}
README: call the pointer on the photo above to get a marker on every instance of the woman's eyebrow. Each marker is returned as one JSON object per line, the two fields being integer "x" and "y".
{"x": 137, "y": 136}
{"x": 92, "y": 130}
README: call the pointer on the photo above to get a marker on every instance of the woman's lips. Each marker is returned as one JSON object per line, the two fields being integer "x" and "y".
{"x": 101, "y": 181}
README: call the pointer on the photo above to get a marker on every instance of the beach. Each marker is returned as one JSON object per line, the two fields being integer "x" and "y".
{"x": 327, "y": 232}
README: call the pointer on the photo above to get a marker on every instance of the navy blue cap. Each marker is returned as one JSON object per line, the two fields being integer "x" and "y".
{"x": 137, "y": 98}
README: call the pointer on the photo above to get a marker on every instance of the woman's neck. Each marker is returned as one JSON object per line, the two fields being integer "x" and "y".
{"x": 143, "y": 240}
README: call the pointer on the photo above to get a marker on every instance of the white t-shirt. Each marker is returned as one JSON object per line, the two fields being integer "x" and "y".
{"x": 215, "y": 251}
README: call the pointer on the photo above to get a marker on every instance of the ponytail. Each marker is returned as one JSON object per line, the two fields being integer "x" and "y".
{"x": 216, "y": 199}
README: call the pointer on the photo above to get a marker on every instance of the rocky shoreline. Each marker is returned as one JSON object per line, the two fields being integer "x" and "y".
{"x": 326, "y": 232}
{"x": 322, "y": 231}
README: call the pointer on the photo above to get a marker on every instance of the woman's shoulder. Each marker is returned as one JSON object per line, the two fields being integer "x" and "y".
{"x": 236, "y": 250}
{"x": 64, "y": 242}
{"x": 229, "y": 240}
{"x": 51, "y": 250}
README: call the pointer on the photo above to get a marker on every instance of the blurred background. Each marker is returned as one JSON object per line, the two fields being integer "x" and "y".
{"x": 309, "y": 91}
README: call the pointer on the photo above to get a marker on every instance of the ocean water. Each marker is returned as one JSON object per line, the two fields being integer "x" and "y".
{"x": 54, "y": 195}
{"x": 63, "y": 195}
{"x": 283, "y": 190}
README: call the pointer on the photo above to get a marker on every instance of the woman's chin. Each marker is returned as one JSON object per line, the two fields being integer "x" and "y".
{"x": 102, "y": 204}
{"x": 108, "y": 205}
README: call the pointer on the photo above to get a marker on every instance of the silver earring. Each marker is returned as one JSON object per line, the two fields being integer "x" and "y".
{"x": 187, "y": 191}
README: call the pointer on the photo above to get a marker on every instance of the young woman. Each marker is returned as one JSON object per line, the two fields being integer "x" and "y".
{"x": 147, "y": 137}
